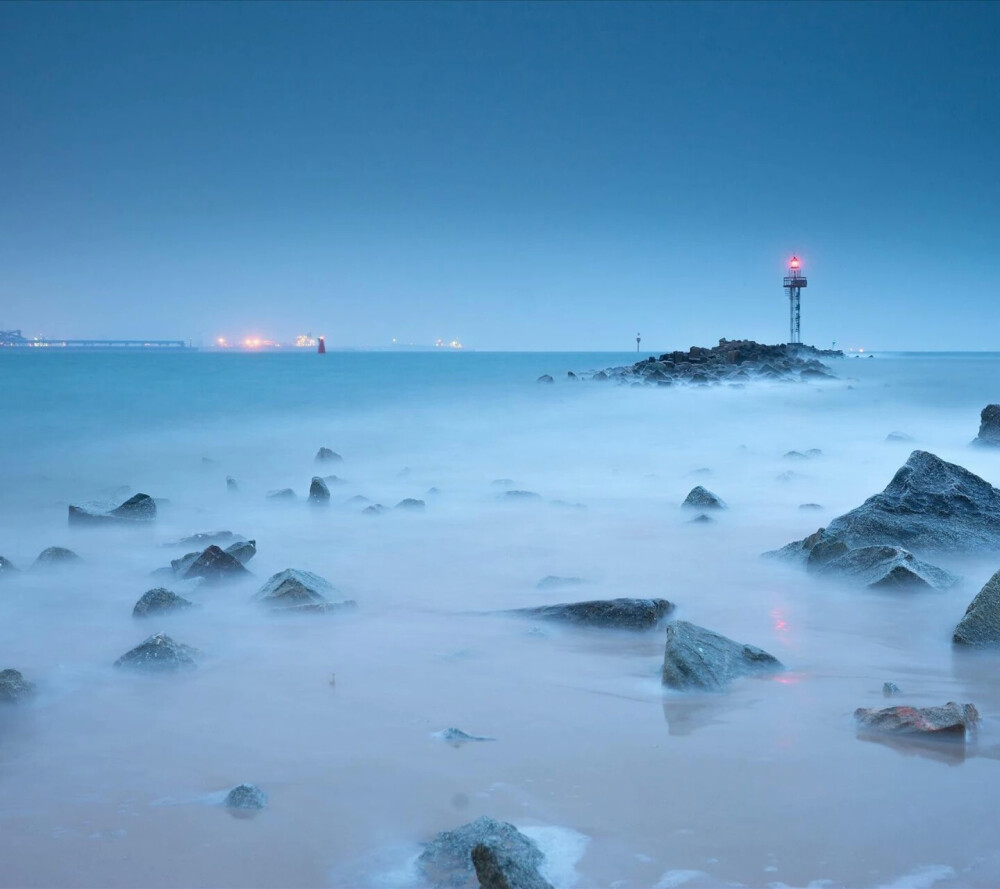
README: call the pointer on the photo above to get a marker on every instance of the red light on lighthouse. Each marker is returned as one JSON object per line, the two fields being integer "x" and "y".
{"x": 794, "y": 264}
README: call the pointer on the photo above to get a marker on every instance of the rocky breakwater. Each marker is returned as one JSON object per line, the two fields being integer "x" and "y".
{"x": 732, "y": 361}
{"x": 929, "y": 506}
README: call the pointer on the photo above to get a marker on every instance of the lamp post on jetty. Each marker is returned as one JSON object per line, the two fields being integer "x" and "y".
{"x": 794, "y": 282}
{"x": 638, "y": 339}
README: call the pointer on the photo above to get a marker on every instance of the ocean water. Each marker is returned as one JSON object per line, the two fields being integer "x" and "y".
{"x": 112, "y": 779}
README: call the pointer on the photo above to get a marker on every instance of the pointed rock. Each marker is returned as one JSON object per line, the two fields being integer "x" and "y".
{"x": 980, "y": 627}
{"x": 696, "y": 659}
{"x": 159, "y": 601}
{"x": 319, "y": 493}
{"x": 617, "y": 614}
{"x": 702, "y": 498}
{"x": 989, "y": 427}
{"x": 243, "y": 550}
{"x": 888, "y": 568}
{"x": 301, "y": 590}
{"x": 159, "y": 653}
{"x": 325, "y": 455}
{"x": 214, "y": 564}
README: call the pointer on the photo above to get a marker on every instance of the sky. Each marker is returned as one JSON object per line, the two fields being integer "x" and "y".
{"x": 550, "y": 176}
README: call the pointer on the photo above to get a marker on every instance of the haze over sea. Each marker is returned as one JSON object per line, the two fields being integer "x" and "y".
{"x": 109, "y": 779}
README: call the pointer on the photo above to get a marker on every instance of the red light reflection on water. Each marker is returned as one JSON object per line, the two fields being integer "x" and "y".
{"x": 778, "y": 618}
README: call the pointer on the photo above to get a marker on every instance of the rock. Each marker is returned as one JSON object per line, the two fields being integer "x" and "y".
{"x": 888, "y": 568}
{"x": 795, "y": 455}
{"x": 989, "y": 427}
{"x": 319, "y": 493}
{"x": 446, "y": 862}
{"x": 214, "y": 564}
{"x": 300, "y": 590}
{"x": 204, "y": 538}
{"x": 334, "y": 480}
{"x": 980, "y": 627}
{"x": 619, "y": 614}
{"x": 929, "y": 506}
{"x": 281, "y": 494}
{"x": 696, "y": 659}
{"x": 521, "y": 495}
{"x": 432, "y": 492}
{"x": 325, "y": 455}
{"x": 411, "y": 504}
{"x": 899, "y": 437}
{"x": 245, "y": 796}
{"x": 7, "y": 567}
{"x": 243, "y": 550}
{"x": 457, "y": 736}
{"x": 499, "y": 869}
{"x": 809, "y": 507}
{"x": 139, "y": 508}
{"x": 571, "y": 376}
{"x": 701, "y": 519}
{"x": 702, "y": 498}
{"x": 890, "y": 689}
{"x": 545, "y": 378}
{"x": 56, "y": 556}
{"x": 14, "y": 688}
{"x": 374, "y": 509}
{"x": 159, "y": 601}
{"x": 952, "y": 720}
{"x": 812, "y": 453}
{"x": 231, "y": 485}
{"x": 788, "y": 476}
{"x": 159, "y": 653}
{"x": 552, "y": 582}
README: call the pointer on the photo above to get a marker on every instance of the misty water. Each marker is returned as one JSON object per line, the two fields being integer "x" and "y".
{"x": 108, "y": 778}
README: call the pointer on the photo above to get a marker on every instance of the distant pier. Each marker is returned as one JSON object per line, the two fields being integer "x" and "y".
{"x": 12, "y": 339}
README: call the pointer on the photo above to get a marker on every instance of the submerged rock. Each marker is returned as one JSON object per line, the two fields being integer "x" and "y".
{"x": 54, "y": 556}
{"x": 810, "y": 507}
{"x": 497, "y": 868}
{"x": 325, "y": 455}
{"x": 980, "y": 627}
{"x": 281, "y": 494}
{"x": 890, "y": 689}
{"x": 899, "y": 437}
{"x": 139, "y": 508}
{"x": 521, "y": 495}
{"x": 446, "y": 862}
{"x": 243, "y": 550}
{"x": 7, "y": 567}
{"x": 702, "y": 498}
{"x": 334, "y": 480}
{"x": 319, "y": 493}
{"x": 888, "y": 568}
{"x": 929, "y": 505}
{"x": 545, "y": 378}
{"x": 622, "y": 614}
{"x": 214, "y": 564}
{"x": 989, "y": 427}
{"x": 14, "y": 688}
{"x": 411, "y": 503}
{"x": 553, "y": 582}
{"x": 245, "y": 796}
{"x": 159, "y": 601}
{"x": 159, "y": 653}
{"x": 457, "y": 736}
{"x": 301, "y": 590}
{"x": 232, "y": 485}
{"x": 374, "y": 509}
{"x": 702, "y": 519}
{"x": 204, "y": 538}
{"x": 952, "y": 720}
{"x": 696, "y": 659}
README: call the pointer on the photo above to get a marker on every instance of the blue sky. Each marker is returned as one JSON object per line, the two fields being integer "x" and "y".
{"x": 519, "y": 176}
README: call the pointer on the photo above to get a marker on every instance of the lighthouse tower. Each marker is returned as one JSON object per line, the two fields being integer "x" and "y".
{"x": 794, "y": 282}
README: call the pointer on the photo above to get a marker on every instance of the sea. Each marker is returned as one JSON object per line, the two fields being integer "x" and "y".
{"x": 110, "y": 778}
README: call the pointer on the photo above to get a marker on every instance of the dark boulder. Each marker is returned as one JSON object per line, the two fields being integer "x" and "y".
{"x": 890, "y": 689}
{"x": 14, "y": 688}
{"x": 214, "y": 564}
{"x": 887, "y": 568}
{"x": 980, "y": 627}
{"x": 302, "y": 591}
{"x": 545, "y": 378}
{"x": 319, "y": 493}
{"x": 496, "y": 868}
{"x": 281, "y": 494}
{"x": 56, "y": 556}
{"x": 232, "y": 485}
{"x": 929, "y": 506}
{"x": 159, "y": 601}
{"x": 696, "y": 659}
{"x": 374, "y": 509}
{"x": 139, "y": 508}
{"x": 7, "y": 567}
{"x": 411, "y": 504}
{"x": 325, "y": 455}
{"x": 243, "y": 550}
{"x": 617, "y": 614}
{"x": 702, "y": 498}
{"x": 521, "y": 495}
{"x": 950, "y": 721}
{"x": 446, "y": 862}
{"x": 989, "y": 427}
{"x": 245, "y": 796}
{"x": 159, "y": 653}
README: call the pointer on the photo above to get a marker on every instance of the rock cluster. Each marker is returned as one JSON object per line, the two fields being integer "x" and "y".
{"x": 732, "y": 361}
{"x": 140, "y": 508}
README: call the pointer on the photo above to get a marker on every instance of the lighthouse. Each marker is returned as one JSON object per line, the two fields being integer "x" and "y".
{"x": 794, "y": 282}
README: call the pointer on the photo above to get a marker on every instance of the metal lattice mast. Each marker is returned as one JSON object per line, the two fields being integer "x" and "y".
{"x": 794, "y": 282}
